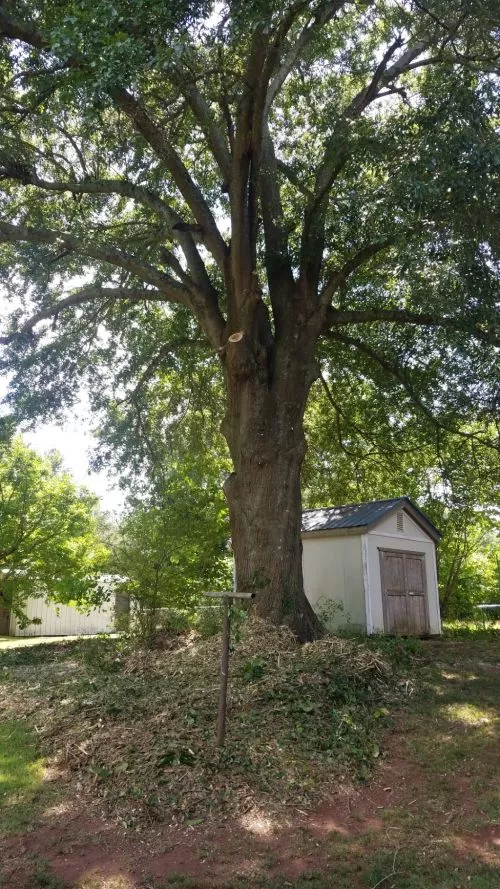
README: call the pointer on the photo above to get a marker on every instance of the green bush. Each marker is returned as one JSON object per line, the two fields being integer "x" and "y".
{"x": 400, "y": 651}
{"x": 208, "y": 620}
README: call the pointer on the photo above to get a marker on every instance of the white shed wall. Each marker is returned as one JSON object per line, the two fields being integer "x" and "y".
{"x": 63, "y": 620}
{"x": 412, "y": 539}
{"x": 333, "y": 571}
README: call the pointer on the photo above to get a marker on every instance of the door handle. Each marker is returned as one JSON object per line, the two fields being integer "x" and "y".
{"x": 411, "y": 593}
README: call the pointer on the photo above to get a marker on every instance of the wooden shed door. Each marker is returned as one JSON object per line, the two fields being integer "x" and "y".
{"x": 404, "y": 593}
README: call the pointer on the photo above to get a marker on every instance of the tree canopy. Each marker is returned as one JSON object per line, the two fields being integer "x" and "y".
{"x": 244, "y": 190}
{"x": 49, "y": 543}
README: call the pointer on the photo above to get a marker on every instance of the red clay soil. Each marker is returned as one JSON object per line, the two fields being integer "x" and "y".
{"x": 74, "y": 846}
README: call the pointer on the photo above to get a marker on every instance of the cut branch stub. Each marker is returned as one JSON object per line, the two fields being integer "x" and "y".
{"x": 240, "y": 359}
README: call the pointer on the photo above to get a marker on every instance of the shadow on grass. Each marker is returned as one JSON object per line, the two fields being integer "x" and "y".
{"x": 452, "y": 733}
{"x": 461, "y": 702}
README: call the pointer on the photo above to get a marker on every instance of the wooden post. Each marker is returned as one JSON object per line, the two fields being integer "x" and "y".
{"x": 224, "y": 671}
{"x": 227, "y": 598}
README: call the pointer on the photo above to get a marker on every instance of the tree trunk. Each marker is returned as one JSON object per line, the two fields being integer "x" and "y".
{"x": 264, "y": 430}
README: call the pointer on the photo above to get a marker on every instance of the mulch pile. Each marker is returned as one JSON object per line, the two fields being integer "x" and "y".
{"x": 136, "y": 729}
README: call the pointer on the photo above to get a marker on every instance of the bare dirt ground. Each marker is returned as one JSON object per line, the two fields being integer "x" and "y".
{"x": 428, "y": 817}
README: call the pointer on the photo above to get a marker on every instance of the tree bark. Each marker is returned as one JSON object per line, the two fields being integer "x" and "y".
{"x": 267, "y": 396}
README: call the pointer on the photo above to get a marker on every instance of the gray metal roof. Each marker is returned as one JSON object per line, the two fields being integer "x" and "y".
{"x": 359, "y": 515}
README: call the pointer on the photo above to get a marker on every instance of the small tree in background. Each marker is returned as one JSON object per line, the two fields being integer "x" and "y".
{"x": 170, "y": 549}
{"x": 49, "y": 541}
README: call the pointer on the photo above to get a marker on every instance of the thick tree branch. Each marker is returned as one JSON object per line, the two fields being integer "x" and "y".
{"x": 203, "y": 303}
{"x": 321, "y": 16}
{"x": 155, "y": 137}
{"x": 251, "y": 184}
{"x": 243, "y": 196}
{"x": 251, "y": 141}
{"x": 290, "y": 174}
{"x": 277, "y": 259}
{"x": 254, "y": 174}
{"x": 203, "y": 306}
{"x": 25, "y": 176}
{"x": 382, "y": 77}
{"x": 336, "y": 154}
{"x": 211, "y": 128}
{"x": 340, "y": 275}
{"x": 149, "y": 130}
{"x": 452, "y": 30}
{"x": 168, "y": 286}
{"x": 9, "y": 551}
{"x": 123, "y": 187}
{"x": 92, "y": 293}
{"x": 344, "y": 317}
{"x": 21, "y": 31}
{"x": 228, "y": 120}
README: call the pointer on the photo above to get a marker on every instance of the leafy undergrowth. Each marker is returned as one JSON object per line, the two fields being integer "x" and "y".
{"x": 137, "y": 728}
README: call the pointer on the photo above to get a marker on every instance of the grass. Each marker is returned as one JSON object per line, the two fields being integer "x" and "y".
{"x": 9, "y": 642}
{"x": 460, "y": 704}
{"x": 470, "y": 630}
{"x": 21, "y": 775}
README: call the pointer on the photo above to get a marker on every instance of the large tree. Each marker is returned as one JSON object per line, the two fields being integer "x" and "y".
{"x": 243, "y": 182}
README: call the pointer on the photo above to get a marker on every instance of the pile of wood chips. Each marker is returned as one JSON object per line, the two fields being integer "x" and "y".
{"x": 137, "y": 731}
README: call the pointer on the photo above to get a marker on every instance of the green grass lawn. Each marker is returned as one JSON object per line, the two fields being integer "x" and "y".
{"x": 21, "y": 775}
{"x": 7, "y": 642}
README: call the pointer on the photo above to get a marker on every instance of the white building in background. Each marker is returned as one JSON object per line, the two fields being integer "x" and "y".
{"x": 63, "y": 620}
{"x": 52, "y": 619}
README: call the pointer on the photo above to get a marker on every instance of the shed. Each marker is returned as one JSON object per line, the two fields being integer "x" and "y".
{"x": 372, "y": 567}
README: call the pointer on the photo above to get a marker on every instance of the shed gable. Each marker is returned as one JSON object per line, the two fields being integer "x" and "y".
{"x": 400, "y": 523}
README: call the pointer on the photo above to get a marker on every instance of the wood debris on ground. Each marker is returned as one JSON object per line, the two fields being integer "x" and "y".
{"x": 136, "y": 728}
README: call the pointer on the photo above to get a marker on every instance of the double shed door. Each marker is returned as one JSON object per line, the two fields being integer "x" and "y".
{"x": 404, "y": 593}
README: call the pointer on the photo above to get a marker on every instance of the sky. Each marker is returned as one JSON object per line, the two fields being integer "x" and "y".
{"x": 72, "y": 438}
{"x": 74, "y": 441}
